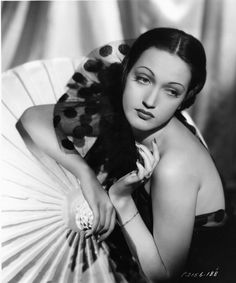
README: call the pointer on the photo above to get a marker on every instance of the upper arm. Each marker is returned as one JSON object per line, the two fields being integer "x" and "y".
{"x": 174, "y": 194}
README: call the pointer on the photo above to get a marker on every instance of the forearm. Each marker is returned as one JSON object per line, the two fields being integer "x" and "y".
{"x": 42, "y": 142}
{"x": 38, "y": 133}
{"x": 139, "y": 239}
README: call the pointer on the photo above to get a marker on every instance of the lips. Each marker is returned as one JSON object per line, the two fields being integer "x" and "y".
{"x": 144, "y": 114}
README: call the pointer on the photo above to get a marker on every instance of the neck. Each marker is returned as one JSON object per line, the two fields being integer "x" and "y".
{"x": 159, "y": 134}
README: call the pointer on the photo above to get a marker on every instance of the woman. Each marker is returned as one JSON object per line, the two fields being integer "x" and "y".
{"x": 159, "y": 176}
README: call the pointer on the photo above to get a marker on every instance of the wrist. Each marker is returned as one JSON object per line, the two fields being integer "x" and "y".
{"x": 120, "y": 202}
{"x": 123, "y": 224}
{"x": 125, "y": 208}
{"x": 88, "y": 181}
{"x": 119, "y": 192}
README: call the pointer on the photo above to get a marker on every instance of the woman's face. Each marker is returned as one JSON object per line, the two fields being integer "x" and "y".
{"x": 155, "y": 88}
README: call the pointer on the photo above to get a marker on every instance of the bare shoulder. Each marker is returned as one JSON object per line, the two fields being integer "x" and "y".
{"x": 177, "y": 168}
{"x": 184, "y": 156}
{"x": 174, "y": 162}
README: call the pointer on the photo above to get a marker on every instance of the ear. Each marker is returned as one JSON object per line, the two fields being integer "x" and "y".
{"x": 191, "y": 92}
{"x": 187, "y": 99}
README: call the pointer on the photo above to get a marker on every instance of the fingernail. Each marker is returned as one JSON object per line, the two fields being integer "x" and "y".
{"x": 155, "y": 141}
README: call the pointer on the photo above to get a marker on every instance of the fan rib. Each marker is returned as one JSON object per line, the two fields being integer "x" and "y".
{"x": 24, "y": 85}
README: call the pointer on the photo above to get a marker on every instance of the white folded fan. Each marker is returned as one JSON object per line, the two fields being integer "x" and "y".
{"x": 42, "y": 204}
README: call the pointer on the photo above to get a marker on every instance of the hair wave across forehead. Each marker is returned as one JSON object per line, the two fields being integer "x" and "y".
{"x": 174, "y": 41}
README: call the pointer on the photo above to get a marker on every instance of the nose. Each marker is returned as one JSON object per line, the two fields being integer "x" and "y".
{"x": 150, "y": 100}
{"x": 149, "y": 106}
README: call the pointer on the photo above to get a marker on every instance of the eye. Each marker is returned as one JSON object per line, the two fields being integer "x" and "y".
{"x": 142, "y": 80}
{"x": 172, "y": 92}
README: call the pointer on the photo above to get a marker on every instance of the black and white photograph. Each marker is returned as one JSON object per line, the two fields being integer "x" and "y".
{"x": 118, "y": 124}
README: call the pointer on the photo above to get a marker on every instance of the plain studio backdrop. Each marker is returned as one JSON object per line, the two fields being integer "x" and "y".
{"x": 34, "y": 30}
{"x": 38, "y": 242}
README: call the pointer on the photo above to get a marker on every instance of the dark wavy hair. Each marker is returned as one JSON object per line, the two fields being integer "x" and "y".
{"x": 178, "y": 42}
{"x": 115, "y": 148}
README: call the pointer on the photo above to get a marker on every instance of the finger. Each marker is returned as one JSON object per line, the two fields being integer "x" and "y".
{"x": 101, "y": 221}
{"x": 141, "y": 171}
{"x": 111, "y": 228}
{"x": 156, "y": 153}
{"x": 146, "y": 150}
{"x": 95, "y": 222}
{"x": 148, "y": 164}
{"x": 153, "y": 159}
{"x": 107, "y": 221}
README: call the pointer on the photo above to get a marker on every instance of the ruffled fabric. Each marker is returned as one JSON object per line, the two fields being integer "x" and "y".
{"x": 81, "y": 116}
{"x": 85, "y": 110}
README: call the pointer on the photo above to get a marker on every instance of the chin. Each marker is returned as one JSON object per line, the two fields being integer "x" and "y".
{"x": 141, "y": 126}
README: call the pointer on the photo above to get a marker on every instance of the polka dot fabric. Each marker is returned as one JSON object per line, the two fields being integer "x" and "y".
{"x": 79, "y": 112}
{"x": 212, "y": 218}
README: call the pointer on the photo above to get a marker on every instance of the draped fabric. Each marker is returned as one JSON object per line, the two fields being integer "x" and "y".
{"x": 47, "y": 29}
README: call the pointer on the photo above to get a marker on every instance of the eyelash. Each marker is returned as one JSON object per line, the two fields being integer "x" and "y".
{"x": 173, "y": 92}
{"x": 141, "y": 79}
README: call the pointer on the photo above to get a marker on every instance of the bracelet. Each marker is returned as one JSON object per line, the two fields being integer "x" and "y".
{"x": 127, "y": 221}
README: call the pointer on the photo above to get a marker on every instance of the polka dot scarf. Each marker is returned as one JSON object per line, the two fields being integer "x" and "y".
{"x": 86, "y": 108}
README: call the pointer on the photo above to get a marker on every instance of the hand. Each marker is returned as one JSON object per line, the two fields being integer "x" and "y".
{"x": 104, "y": 215}
{"x": 128, "y": 183}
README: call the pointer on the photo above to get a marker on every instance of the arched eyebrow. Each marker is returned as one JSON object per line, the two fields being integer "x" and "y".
{"x": 177, "y": 84}
{"x": 147, "y": 69}
{"x": 154, "y": 76}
